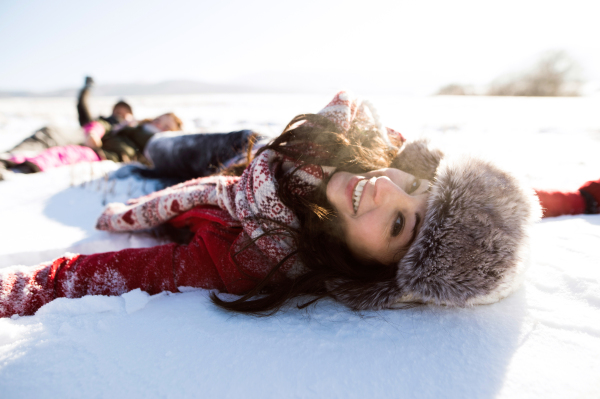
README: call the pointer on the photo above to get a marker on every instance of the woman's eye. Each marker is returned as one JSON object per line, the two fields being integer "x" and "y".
{"x": 398, "y": 225}
{"x": 414, "y": 186}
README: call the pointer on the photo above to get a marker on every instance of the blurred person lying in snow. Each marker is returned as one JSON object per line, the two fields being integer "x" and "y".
{"x": 53, "y": 136}
{"x": 337, "y": 206}
{"x": 102, "y": 142}
{"x": 52, "y": 146}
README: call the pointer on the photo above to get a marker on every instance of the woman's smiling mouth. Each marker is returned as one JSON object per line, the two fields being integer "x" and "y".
{"x": 357, "y": 194}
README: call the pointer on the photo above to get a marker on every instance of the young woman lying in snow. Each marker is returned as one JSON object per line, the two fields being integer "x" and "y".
{"x": 337, "y": 206}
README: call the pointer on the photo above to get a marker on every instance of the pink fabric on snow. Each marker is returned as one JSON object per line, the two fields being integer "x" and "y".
{"x": 94, "y": 128}
{"x": 59, "y": 156}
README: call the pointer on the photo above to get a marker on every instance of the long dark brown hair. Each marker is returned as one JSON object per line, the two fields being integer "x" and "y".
{"x": 319, "y": 242}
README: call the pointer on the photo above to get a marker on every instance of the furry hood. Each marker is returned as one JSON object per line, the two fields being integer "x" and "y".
{"x": 472, "y": 246}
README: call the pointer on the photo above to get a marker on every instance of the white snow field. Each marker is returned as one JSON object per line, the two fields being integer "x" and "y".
{"x": 541, "y": 342}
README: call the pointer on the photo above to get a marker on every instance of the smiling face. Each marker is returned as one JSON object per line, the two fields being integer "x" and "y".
{"x": 381, "y": 211}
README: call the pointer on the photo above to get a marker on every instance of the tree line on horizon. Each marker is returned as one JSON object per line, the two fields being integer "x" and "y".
{"x": 555, "y": 74}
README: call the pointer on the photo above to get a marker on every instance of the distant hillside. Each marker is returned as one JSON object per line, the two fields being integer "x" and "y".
{"x": 133, "y": 89}
{"x": 330, "y": 81}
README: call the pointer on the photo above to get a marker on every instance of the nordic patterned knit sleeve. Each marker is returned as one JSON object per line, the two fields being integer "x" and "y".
{"x": 159, "y": 207}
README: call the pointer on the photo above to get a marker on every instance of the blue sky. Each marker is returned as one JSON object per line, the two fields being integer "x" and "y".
{"x": 412, "y": 45}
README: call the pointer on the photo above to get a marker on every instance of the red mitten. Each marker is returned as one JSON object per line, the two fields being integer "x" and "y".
{"x": 556, "y": 203}
{"x": 590, "y": 191}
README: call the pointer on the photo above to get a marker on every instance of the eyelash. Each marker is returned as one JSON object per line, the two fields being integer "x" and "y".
{"x": 397, "y": 227}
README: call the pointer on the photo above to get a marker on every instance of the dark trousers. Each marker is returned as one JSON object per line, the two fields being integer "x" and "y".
{"x": 188, "y": 156}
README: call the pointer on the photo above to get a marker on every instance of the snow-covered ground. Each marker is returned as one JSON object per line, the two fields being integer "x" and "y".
{"x": 543, "y": 341}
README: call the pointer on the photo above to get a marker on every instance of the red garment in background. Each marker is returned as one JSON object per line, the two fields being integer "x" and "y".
{"x": 557, "y": 203}
{"x": 204, "y": 263}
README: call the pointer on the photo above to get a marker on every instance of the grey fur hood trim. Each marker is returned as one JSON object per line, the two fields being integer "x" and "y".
{"x": 472, "y": 245}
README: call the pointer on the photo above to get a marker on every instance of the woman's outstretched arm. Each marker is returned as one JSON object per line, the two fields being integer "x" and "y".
{"x": 585, "y": 200}
{"x": 203, "y": 263}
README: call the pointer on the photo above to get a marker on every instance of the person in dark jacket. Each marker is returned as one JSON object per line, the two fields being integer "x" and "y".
{"x": 126, "y": 144}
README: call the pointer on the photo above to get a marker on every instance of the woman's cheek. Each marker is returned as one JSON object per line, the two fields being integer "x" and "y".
{"x": 366, "y": 228}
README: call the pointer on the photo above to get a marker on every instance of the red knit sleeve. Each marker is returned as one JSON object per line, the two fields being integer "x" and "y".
{"x": 206, "y": 262}
{"x": 223, "y": 239}
{"x": 557, "y": 203}
{"x": 203, "y": 263}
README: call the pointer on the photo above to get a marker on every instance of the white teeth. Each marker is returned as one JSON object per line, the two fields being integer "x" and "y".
{"x": 358, "y": 193}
